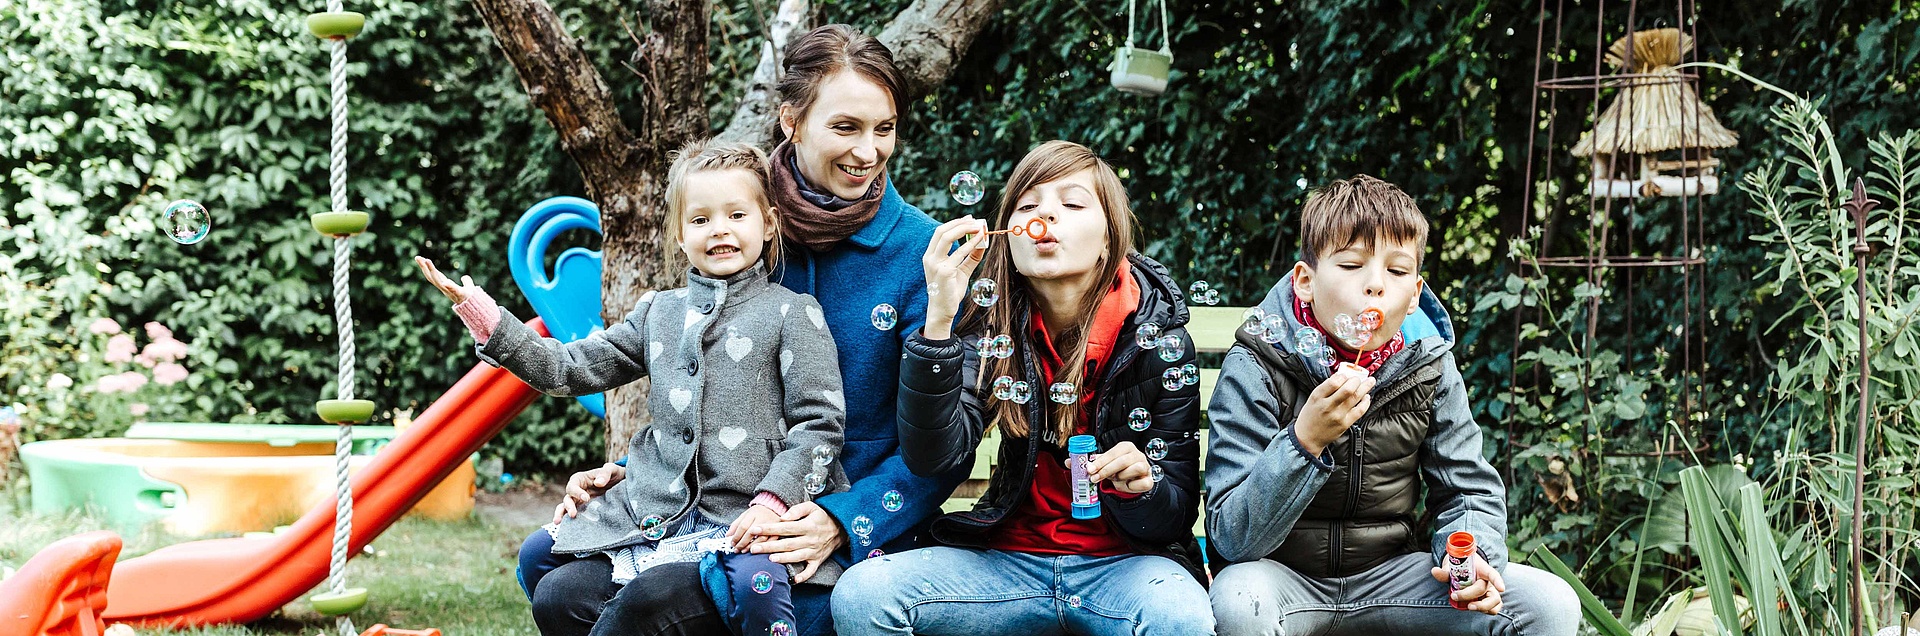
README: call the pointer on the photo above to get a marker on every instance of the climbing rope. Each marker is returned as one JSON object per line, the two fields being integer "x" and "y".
{"x": 343, "y": 325}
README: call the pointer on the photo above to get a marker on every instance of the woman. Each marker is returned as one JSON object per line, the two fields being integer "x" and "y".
{"x": 853, "y": 244}
{"x": 1097, "y": 348}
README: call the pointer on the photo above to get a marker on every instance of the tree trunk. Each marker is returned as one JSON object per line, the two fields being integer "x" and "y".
{"x": 625, "y": 173}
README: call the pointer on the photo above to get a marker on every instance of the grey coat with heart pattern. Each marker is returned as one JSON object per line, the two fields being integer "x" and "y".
{"x": 746, "y": 384}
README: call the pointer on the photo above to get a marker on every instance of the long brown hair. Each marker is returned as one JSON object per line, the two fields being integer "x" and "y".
{"x": 822, "y": 53}
{"x": 1048, "y": 162}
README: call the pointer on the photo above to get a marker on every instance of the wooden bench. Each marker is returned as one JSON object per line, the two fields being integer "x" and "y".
{"x": 1212, "y": 330}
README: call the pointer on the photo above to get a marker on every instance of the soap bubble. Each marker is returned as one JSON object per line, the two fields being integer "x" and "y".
{"x": 816, "y": 483}
{"x": 1062, "y": 392}
{"x": 1370, "y": 319}
{"x": 986, "y": 292}
{"x": 1158, "y": 474}
{"x": 1197, "y": 288}
{"x": 1190, "y": 374}
{"x": 884, "y": 317}
{"x": 892, "y": 501}
{"x": 1003, "y": 346}
{"x": 1003, "y": 387}
{"x": 1156, "y": 449}
{"x": 762, "y": 582}
{"x": 876, "y": 553}
{"x": 1309, "y": 342}
{"x": 186, "y": 222}
{"x": 1170, "y": 349}
{"x": 862, "y": 526}
{"x": 653, "y": 527}
{"x": 1211, "y": 297}
{"x": 822, "y": 455}
{"x": 966, "y": 188}
{"x": 780, "y": 628}
{"x": 1273, "y": 328}
{"x": 1172, "y": 380}
{"x": 1148, "y": 336}
{"x": 1139, "y": 419}
{"x": 1251, "y": 322}
{"x": 1022, "y": 393}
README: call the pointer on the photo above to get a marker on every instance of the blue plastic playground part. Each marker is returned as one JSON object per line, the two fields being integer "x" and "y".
{"x": 569, "y": 299}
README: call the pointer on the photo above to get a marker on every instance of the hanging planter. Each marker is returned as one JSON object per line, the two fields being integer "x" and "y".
{"x": 1141, "y": 71}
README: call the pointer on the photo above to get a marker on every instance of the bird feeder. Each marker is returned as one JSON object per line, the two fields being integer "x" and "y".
{"x": 1140, "y": 71}
{"x": 1657, "y": 138}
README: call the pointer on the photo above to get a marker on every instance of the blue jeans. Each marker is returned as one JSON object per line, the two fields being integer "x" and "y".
{"x": 968, "y": 592}
{"x": 1397, "y": 597}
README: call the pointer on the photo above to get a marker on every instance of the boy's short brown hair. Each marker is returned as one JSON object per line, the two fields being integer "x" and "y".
{"x": 1358, "y": 211}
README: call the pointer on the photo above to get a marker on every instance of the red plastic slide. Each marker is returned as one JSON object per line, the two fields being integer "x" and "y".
{"x": 242, "y": 580}
{"x": 60, "y": 591}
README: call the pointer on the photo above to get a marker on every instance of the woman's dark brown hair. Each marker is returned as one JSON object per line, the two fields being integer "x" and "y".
{"x": 1046, "y": 163}
{"x": 822, "y": 53}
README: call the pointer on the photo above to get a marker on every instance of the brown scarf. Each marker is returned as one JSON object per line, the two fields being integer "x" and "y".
{"x": 809, "y": 223}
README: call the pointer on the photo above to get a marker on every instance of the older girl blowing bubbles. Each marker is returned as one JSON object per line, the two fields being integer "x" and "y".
{"x": 746, "y": 399}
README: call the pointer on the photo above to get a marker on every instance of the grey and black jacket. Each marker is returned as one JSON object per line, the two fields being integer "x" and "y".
{"x": 943, "y": 413}
{"x": 1354, "y": 506}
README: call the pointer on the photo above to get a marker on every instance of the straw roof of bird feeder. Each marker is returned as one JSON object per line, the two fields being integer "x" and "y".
{"x": 1652, "y": 114}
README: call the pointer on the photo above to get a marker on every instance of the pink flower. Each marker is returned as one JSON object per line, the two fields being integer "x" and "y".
{"x": 137, "y": 410}
{"x": 169, "y": 373}
{"x": 157, "y": 331}
{"x": 164, "y": 350}
{"x": 59, "y": 381}
{"x": 120, "y": 348}
{"x": 104, "y": 325}
{"x": 121, "y": 382}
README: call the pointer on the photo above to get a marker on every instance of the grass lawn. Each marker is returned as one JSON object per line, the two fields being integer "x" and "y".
{"x": 454, "y": 576}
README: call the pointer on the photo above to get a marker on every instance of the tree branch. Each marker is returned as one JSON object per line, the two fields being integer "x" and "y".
{"x": 563, "y": 84}
{"x": 753, "y": 119}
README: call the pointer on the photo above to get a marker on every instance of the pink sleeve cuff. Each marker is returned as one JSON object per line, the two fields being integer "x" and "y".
{"x": 771, "y": 501}
{"x": 480, "y": 314}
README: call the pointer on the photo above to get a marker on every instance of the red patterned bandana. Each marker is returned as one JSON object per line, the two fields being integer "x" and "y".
{"x": 1370, "y": 360}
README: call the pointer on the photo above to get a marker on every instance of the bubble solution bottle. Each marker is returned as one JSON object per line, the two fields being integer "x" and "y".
{"x": 1459, "y": 564}
{"x": 1086, "y": 499}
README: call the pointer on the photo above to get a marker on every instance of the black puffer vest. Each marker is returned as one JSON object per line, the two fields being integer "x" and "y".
{"x": 1364, "y": 514}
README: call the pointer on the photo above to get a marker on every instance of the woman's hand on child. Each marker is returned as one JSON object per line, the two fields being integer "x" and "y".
{"x": 948, "y": 273}
{"x": 455, "y": 293}
{"x": 1125, "y": 466}
{"x": 740, "y": 532}
{"x": 1484, "y": 595}
{"x": 583, "y": 486}
{"x": 1331, "y": 409}
{"x": 808, "y": 534}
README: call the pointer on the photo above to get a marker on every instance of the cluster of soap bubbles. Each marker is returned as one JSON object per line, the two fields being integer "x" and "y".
{"x": 885, "y": 317}
{"x": 186, "y": 222}
{"x": 1149, "y": 337}
{"x": 1176, "y": 377}
{"x": 1000, "y": 346}
{"x": 1357, "y": 331}
{"x": 817, "y": 478}
{"x": 1202, "y": 293}
{"x": 1006, "y": 388}
{"x": 966, "y": 188}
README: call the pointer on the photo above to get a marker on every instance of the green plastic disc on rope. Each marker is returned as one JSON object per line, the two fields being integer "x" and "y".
{"x": 338, "y": 224}
{"x": 344, "y": 411}
{"x": 336, "y": 24}
{"x": 346, "y": 602}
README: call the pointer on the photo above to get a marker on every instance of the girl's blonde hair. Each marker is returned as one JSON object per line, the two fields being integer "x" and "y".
{"x": 1046, "y": 163}
{"x": 710, "y": 156}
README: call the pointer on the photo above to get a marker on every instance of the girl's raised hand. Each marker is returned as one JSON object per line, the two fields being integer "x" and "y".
{"x": 455, "y": 293}
{"x": 948, "y": 272}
